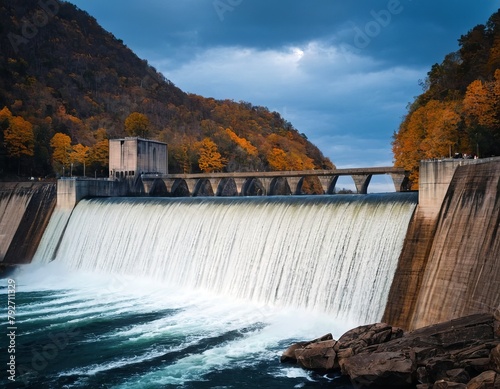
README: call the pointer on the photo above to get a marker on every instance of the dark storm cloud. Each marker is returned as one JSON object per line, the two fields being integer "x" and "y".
{"x": 342, "y": 72}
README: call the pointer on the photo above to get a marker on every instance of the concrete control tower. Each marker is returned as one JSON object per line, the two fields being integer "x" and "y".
{"x": 130, "y": 157}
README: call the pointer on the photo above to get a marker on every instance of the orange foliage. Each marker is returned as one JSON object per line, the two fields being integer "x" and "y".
{"x": 18, "y": 136}
{"x": 210, "y": 158}
{"x": 479, "y": 104}
{"x": 243, "y": 143}
{"x": 429, "y": 132}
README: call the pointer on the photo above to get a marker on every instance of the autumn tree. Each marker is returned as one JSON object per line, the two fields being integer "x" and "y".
{"x": 99, "y": 153}
{"x": 479, "y": 105}
{"x": 18, "y": 137}
{"x": 243, "y": 143}
{"x": 277, "y": 159}
{"x": 210, "y": 159}
{"x": 137, "y": 124}
{"x": 80, "y": 155}
{"x": 62, "y": 150}
{"x": 432, "y": 131}
{"x": 182, "y": 156}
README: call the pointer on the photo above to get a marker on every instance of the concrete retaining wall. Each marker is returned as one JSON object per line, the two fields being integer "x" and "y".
{"x": 71, "y": 191}
{"x": 438, "y": 182}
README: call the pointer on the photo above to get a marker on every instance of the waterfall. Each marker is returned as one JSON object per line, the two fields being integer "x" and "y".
{"x": 335, "y": 254}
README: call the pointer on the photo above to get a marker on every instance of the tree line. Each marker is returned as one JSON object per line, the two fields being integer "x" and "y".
{"x": 75, "y": 79}
{"x": 458, "y": 112}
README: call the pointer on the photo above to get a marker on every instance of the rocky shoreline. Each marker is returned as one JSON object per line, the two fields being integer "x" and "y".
{"x": 462, "y": 353}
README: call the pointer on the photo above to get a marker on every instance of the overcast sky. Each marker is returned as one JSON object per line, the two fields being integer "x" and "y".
{"x": 341, "y": 71}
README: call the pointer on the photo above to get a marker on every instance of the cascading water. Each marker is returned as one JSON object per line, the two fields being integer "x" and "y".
{"x": 203, "y": 293}
{"x": 324, "y": 253}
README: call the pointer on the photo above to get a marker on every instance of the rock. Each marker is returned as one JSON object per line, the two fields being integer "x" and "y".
{"x": 495, "y": 359}
{"x": 486, "y": 380}
{"x": 289, "y": 354}
{"x": 444, "y": 355}
{"x": 368, "y": 335}
{"x": 343, "y": 355}
{"x": 458, "y": 375}
{"x": 423, "y": 375}
{"x": 436, "y": 368}
{"x": 318, "y": 356}
{"x": 476, "y": 366}
{"x": 386, "y": 369}
{"x": 443, "y": 384}
{"x": 496, "y": 315}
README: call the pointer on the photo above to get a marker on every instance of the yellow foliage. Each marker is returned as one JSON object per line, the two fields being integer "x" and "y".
{"x": 280, "y": 160}
{"x": 137, "y": 124}
{"x": 80, "y": 153}
{"x": 19, "y": 137}
{"x": 429, "y": 132}
{"x": 61, "y": 143}
{"x": 99, "y": 153}
{"x": 277, "y": 159}
{"x": 479, "y": 104}
{"x": 210, "y": 158}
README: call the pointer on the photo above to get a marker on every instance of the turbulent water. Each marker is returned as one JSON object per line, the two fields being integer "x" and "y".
{"x": 201, "y": 293}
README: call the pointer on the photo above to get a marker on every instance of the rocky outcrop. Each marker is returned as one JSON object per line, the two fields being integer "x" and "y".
{"x": 459, "y": 353}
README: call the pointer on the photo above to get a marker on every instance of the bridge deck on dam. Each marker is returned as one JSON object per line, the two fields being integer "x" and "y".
{"x": 71, "y": 190}
{"x": 265, "y": 183}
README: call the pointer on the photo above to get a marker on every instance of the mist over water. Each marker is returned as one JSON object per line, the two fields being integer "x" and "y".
{"x": 203, "y": 293}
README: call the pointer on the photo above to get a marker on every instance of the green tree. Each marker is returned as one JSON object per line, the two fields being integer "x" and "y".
{"x": 137, "y": 124}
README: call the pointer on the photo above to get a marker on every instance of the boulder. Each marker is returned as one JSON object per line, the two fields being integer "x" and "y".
{"x": 486, "y": 380}
{"x": 368, "y": 335}
{"x": 443, "y": 384}
{"x": 385, "y": 369}
{"x": 318, "y": 356}
{"x": 289, "y": 354}
{"x": 445, "y": 355}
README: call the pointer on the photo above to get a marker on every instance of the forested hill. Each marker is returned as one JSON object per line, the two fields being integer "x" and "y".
{"x": 458, "y": 112}
{"x": 67, "y": 85}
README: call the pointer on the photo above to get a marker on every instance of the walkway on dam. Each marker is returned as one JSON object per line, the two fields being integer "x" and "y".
{"x": 266, "y": 183}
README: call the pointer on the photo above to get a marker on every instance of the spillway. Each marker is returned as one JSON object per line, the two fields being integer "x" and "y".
{"x": 334, "y": 254}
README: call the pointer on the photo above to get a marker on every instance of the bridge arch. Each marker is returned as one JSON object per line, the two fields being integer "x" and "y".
{"x": 158, "y": 188}
{"x": 253, "y": 187}
{"x": 279, "y": 187}
{"x": 203, "y": 187}
{"x": 227, "y": 187}
{"x": 180, "y": 188}
{"x": 307, "y": 185}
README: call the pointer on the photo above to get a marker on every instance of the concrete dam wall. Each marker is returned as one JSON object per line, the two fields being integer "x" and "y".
{"x": 462, "y": 275}
{"x": 25, "y": 210}
{"x": 450, "y": 263}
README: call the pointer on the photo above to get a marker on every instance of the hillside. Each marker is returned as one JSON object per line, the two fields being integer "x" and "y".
{"x": 458, "y": 112}
{"x": 61, "y": 73}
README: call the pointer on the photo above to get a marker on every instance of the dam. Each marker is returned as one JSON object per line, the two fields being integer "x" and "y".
{"x": 192, "y": 290}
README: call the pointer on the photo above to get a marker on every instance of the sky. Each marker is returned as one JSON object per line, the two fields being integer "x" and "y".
{"x": 341, "y": 71}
